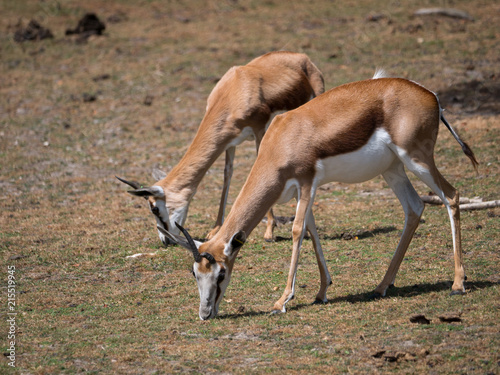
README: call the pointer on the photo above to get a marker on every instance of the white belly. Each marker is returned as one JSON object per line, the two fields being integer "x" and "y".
{"x": 290, "y": 191}
{"x": 361, "y": 165}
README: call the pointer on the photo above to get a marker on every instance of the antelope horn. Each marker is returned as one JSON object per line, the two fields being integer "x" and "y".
{"x": 134, "y": 184}
{"x": 192, "y": 246}
{"x": 141, "y": 191}
{"x": 173, "y": 237}
{"x": 208, "y": 257}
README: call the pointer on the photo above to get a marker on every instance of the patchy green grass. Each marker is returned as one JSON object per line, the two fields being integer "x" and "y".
{"x": 67, "y": 225}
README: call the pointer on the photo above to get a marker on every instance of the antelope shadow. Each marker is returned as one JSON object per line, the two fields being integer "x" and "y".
{"x": 366, "y": 297}
{"x": 349, "y": 235}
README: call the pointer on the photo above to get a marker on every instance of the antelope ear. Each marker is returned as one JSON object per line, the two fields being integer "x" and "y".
{"x": 153, "y": 191}
{"x": 237, "y": 241}
{"x": 158, "y": 174}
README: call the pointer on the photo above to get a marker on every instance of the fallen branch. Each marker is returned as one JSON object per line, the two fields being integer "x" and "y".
{"x": 434, "y": 199}
{"x": 448, "y": 12}
{"x": 466, "y": 204}
{"x": 479, "y": 206}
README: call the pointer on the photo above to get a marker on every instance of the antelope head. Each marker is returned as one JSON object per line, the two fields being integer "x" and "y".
{"x": 211, "y": 269}
{"x": 155, "y": 195}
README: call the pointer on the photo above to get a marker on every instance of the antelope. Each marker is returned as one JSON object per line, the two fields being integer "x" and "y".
{"x": 239, "y": 107}
{"x": 349, "y": 134}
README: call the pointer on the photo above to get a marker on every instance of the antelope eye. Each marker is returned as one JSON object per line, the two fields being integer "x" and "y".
{"x": 155, "y": 211}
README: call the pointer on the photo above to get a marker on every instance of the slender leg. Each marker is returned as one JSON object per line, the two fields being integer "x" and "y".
{"x": 228, "y": 173}
{"x": 271, "y": 221}
{"x": 450, "y": 197}
{"x": 298, "y": 232}
{"x": 458, "y": 286}
{"x": 271, "y": 224}
{"x": 326, "y": 280}
{"x": 413, "y": 207}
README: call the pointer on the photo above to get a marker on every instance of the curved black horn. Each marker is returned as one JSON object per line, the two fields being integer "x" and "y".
{"x": 134, "y": 184}
{"x": 193, "y": 248}
{"x": 208, "y": 257}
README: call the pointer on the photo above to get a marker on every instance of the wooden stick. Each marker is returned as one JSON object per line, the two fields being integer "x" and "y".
{"x": 434, "y": 199}
{"x": 479, "y": 206}
{"x": 448, "y": 12}
{"x": 466, "y": 204}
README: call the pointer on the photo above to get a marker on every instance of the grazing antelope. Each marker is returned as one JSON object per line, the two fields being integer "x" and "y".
{"x": 349, "y": 134}
{"x": 239, "y": 107}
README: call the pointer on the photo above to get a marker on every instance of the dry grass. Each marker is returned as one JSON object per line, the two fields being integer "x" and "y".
{"x": 67, "y": 224}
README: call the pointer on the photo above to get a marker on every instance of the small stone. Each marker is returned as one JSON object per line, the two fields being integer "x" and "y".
{"x": 17, "y": 256}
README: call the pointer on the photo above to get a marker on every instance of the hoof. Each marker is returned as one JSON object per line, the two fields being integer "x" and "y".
{"x": 269, "y": 239}
{"x": 457, "y": 293}
{"x": 276, "y": 312}
{"x": 318, "y": 301}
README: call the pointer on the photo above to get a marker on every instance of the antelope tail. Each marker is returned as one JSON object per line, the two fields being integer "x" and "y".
{"x": 465, "y": 147}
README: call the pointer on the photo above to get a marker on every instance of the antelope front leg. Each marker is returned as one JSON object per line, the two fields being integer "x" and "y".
{"x": 298, "y": 231}
{"x": 271, "y": 224}
{"x": 228, "y": 173}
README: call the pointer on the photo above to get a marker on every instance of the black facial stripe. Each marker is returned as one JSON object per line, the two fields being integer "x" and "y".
{"x": 222, "y": 276}
{"x": 165, "y": 225}
{"x": 156, "y": 211}
{"x": 218, "y": 293}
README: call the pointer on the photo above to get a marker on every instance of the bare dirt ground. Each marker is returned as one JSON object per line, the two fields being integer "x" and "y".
{"x": 78, "y": 108}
